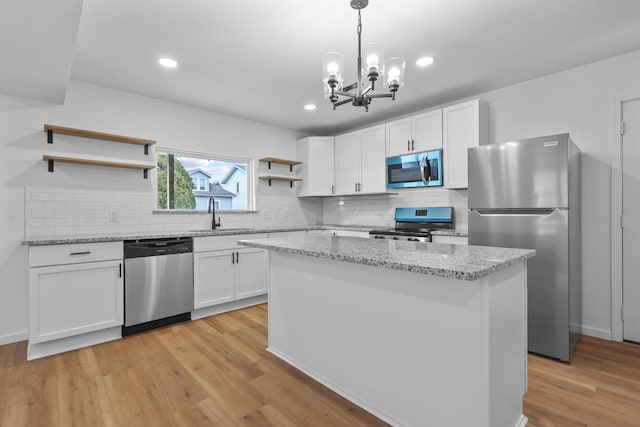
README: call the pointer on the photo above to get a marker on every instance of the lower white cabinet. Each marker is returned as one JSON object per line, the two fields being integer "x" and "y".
{"x": 225, "y": 275}
{"x": 76, "y": 296}
{"x": 454, "y": 240}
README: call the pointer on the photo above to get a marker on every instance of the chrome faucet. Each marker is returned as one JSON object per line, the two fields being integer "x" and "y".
{"x": 212, "y": 211}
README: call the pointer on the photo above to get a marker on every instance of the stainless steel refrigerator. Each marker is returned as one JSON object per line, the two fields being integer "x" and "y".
{"x": 526, "y": 194}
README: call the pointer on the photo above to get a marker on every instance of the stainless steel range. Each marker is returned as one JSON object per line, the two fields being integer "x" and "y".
{"x": 416, "y": 224}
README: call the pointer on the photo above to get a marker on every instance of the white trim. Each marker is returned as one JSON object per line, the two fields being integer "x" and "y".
{"x": 229, "y": 306}
{"x": 616, "y": 333}
{"x": 597, "y": 333}
{"x": 15, "y": 337}
{"x": 49, "y": 348}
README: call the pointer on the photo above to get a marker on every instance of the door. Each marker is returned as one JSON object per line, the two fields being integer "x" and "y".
{"x": 399, "y": 137}
{"x": 427, "y": 131}
{"x": 524, "y": 174}
{"x": 631, "y": 212}
{"x": 74, "y": 299}
{"x": 213, "y": 279}
{"x": 347, "y": 151}
{"x": 372, "y": 160}
{"x": 546, "y": 231}
{"x": 251, "y": 272}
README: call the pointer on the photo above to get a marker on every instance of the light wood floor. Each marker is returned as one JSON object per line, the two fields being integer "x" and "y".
{"x": 216, "y": 371}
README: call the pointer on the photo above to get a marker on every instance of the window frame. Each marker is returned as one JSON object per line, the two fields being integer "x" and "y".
{"x": 251, "y": 174}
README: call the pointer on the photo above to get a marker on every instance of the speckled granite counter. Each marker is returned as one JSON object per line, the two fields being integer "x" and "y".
{"x": 61, "y": 240}
{"x": 438, "y": 259}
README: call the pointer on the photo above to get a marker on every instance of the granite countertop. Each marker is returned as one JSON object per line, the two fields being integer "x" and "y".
{"x": 94, "y": 238}
{"x": 438, "y": 259}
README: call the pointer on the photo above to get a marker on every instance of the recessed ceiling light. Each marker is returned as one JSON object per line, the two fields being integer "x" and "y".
{"x": 424, "y": 61}
{"x": 310, "y": 107}
{"x": 168, "y": 62}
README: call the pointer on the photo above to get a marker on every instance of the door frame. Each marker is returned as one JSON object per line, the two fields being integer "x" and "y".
{"x": 616, "y": 212}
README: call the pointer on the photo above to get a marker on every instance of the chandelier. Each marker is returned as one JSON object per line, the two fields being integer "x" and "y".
{"x": 375, "y": 68}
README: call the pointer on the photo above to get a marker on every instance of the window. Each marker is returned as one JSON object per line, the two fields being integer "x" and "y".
{"x": 186, "y": 181}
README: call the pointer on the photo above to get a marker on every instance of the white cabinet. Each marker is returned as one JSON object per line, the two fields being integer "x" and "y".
{"x": 465, "y": 125}
{"x": 359, "y": 162}
{"x": 316, "y": 170}
{"x": 74, "y": 290}
{"x": 454, "y": 240}
{"x": 225, "y": 272}
{"x": 421, "y": 132}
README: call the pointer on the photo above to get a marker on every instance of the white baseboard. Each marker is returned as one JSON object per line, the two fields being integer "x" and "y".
{"x": 48, "y": 348}
{"x": 596, "y": 332}
{"x": 229, "y": 306}
{"x": 15, "y": 337}
{"x": 522, "y": 421}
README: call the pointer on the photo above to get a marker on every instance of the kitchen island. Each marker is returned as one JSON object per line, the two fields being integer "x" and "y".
{"x": 419, "y": 334}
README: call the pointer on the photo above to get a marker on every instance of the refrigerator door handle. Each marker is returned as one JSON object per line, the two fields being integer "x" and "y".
{"x": 517, "y": 212}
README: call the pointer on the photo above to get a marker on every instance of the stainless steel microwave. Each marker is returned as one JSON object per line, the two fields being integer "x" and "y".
{"x": 415, "y": 170}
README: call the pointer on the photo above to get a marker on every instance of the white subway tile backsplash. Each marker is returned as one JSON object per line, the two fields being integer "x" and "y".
{"x": 51, "y": 212}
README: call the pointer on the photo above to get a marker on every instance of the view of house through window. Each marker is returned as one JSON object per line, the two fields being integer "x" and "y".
{"x": 190, "y": 181}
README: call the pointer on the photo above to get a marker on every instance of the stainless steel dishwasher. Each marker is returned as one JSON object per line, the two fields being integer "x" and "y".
{"x": 158, "y": 283}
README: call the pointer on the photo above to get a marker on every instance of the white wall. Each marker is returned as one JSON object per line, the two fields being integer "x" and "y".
{"x": 578, "y": 101}
{"x": 91, "y": 190}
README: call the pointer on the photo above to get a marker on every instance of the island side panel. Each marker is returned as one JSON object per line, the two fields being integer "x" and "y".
{"x": 410, "y": 348}
{"x": 505, "y": 294}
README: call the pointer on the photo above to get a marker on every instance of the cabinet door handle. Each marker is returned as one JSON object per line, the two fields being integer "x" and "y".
{"x": 80, "y": 253}
{"x": 408, "y": 145}
{"x": 333, "y": 191}
{"x": 237, "y": 257}
{"x": 120, "y": 269}
{"x": 356, "y": 185}
{"x": 413, "y": 145}
{"x": 233, "y": 257}
{"x": 359, "y": 187}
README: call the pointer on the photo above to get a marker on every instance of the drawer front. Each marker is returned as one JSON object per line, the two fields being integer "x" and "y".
{"x": 455, "y": 240}
{"x": 217, "y": 243}
{"x": 75, "y": 253}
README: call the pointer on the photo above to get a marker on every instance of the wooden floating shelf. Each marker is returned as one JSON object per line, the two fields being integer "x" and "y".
{"x": 290, "y": 163}
{"x": 94, "y": 162}
{"x": 280, "y": 178}
{"x": 60, "y": 130}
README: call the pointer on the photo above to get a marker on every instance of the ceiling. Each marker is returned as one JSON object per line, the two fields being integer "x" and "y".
{"x": 261, "y": 60}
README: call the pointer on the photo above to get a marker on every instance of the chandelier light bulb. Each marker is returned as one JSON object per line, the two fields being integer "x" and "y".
{"x": 394, "y": 74}
{"x": 333, "y": 68}
{"x": 373, "y": 60}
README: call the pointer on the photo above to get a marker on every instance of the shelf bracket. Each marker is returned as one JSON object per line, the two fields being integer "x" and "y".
{"x": 290, "y": 184}
{"x": 269, "y": 167}
{"x": 145, "y": 173}
{"x": 146, "y": 149}
{"x": 269, "y": 182}
{"x": 290, "y": 168}
{"x": 50, "y": 162}
{"x": 49, "y": 136}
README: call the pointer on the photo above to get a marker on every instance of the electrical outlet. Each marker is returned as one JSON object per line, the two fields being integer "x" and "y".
{"x": 114, "y": 212}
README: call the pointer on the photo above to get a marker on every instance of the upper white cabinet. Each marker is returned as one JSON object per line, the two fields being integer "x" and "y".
{"x": 359, "y": 162}
{"x": 464, "y": 125}
{"x": 414, "y": 134}
{"x": 317, "y": 170}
